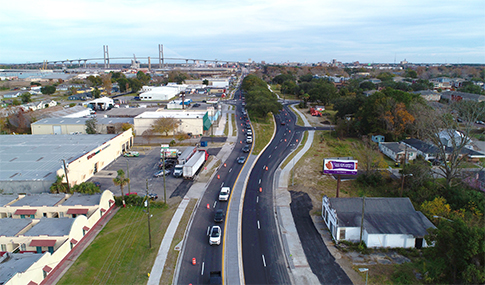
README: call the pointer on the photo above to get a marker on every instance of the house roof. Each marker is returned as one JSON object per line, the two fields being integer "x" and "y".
{"x": 39, "y": 200}
{"x": 82, "y": 121}
{"x": 10, "y": 227}
{"x": 78, "y": 199}
{"x": 393, "y": 146}
{"x": 421, "y": 146}
{"x": 17, "y": 263}
{"x": 74, "y": 211}
{"x": 51, "y": 227}
{"x": 25, "y": 212}
{"x": 381, "y": 215}
{"x": 464, "y": 95}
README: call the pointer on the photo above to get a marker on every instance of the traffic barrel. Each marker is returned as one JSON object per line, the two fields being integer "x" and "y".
{"x": 193, "y": 261}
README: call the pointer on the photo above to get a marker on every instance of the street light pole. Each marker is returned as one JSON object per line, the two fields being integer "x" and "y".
{"x": 164, "y": 187}
{"x": 148, "y": 212}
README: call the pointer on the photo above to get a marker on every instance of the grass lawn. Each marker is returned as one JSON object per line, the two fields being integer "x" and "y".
{"x": 120, "y": 253}
{"x": 226, "y": 127}
{"x": 234, "y": 128}
{"x": 263, "y": 129}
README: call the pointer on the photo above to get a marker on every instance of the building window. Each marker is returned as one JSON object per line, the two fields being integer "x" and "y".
{"x": 4, "y": 247}
{"x": 61, "y": 214}
{"x": 45, "y": 215}
{"x": 44, "y": 273}
{"x": 342, "y": 234}
{"x": 23, "y": 247}
{"x": 22, "y": 216}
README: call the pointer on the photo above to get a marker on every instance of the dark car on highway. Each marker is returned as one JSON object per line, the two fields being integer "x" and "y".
{"x": 246, "y": 148}
{"x": 241, "y": 159}
{"x": 219, "y": 216}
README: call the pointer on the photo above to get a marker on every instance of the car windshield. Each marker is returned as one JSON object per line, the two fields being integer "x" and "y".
{"x": 215, "y": 232}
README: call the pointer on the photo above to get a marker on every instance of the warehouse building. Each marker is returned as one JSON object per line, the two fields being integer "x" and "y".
{"x": 63, "y": 126}
{"x": 30, "y": 163}
{"x": 194, "y": 122}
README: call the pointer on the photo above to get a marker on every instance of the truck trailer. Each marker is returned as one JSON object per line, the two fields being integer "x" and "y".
{"x": 192, "y": 166}
{"x": 186, "y": 155}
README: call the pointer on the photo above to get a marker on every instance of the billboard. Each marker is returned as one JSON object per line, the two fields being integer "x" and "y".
{"x": 336, "y": 166}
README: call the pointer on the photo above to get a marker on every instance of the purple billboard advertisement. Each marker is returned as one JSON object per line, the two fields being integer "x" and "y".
{"x": 346, "y": 167}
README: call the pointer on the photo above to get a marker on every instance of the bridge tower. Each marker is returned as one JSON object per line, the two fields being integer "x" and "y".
{"x": 106, "y": 56}
{"x": 160, "y": 56}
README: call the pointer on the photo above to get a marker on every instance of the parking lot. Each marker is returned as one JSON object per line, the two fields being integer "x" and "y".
{"x": 141, "y": 170}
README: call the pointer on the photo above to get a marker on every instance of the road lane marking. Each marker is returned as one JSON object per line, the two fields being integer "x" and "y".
{"x": 269, "y": 156}
{"x": 259, "y": 180}
{"x": 257, "y": 199}
{"x": 275, "y": 147}
{"x": 259, "y": 226}
{"x": 264, "y": 166}
{"x": 202, "y": 271}
{"x": 230, "y": 170}
{"x": 208, "y": 229}
{"x": 215, "y": 203}
{"x": 264, "y": 261}
{"x": 222, "y": 184}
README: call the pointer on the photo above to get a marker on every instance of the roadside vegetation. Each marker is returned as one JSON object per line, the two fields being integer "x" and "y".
{"x": 455, "y": 208}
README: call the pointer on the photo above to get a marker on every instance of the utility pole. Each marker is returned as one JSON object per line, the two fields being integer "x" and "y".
{"x": 402, "y": 174}
{"x": 164, "y": 187}
{"x": 128, "y": 174}
{"x": 65, "y": 171}
{"x": 362, "y": 220}
{"x": 148, "y": 212}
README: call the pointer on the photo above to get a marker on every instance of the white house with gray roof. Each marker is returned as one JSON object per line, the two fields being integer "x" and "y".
{"x": 388, "y": 222}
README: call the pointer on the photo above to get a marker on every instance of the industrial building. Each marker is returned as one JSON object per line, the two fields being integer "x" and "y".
{"x": 62, "y": 126}
{"x": 195, "y": 122}
{"x": 30, "y": 163}
{"x": 161, "y": 93}
{"x": 38, "y": 232}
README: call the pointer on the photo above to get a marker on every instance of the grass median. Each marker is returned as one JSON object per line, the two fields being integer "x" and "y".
{"x": 264, "y": 129}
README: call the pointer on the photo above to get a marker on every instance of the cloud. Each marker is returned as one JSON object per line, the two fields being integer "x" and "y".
{"x": 276, "y": 30}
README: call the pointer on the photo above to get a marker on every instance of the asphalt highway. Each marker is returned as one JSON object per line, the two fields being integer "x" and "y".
{"x": 262, "y": 252}
{"x": 208, "y": 257}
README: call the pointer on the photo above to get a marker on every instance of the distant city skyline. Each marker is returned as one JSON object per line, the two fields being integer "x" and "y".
{"x": 274, "y": 31}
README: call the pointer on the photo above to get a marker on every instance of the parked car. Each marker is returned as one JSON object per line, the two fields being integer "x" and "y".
{"x": 219, "y": 216}
{"x": 196, "y": 105}
{"x": 215, "y": 235}
{"x": 153, "y": 196}
{"x": 224, "y": 194}
{"x": 249, "y": 139}
{"x": 168, "y": 164}
{"x": 480, "y": 122}
{"x": 131, "y": 153}
{"x": 161, "y": 173}
{"x": 249, "y": 132}
{"x": 241, "y": 159}
{"x": 283, "y": 122}
{"x": 246, "y": 148}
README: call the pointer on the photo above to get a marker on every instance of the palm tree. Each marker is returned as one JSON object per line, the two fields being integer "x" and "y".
{"x": 121, "y": 180}
{"x": 58, "y": 186}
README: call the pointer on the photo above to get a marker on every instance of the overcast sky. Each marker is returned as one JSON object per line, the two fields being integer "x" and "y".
{"x": 423, "y": 31}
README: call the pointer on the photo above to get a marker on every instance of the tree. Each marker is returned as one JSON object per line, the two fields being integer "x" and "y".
{"x": 59, "y": 186}
{"x": 73, "y": 90}
{"x": 135, "y": 84}
{"x": 144, "y": 78}
{"x": 91, "y": 126}
{"x": 121, "y": 180}
{"x": 96, "y": 92}
{"x": 95, "y": 80}
{"x": 165, "y": 125}
{"x": 48, "y": 90}
{"x": 411, "y": 73}
{"x": 205, "y": 82}
{"x": 123, "y": 83}
{"x": 107, "y": 84}
{"x": 26, "y": 97}
{"x": 439, "y": 127}
{"x": 16, "y": 102}
{"x": 458, "y": 254}
{"x": 367, "y": 85}
{"x": 86, "y": 188}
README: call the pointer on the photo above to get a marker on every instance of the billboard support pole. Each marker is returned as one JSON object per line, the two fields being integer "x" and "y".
{"x": 338, "y": 185}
